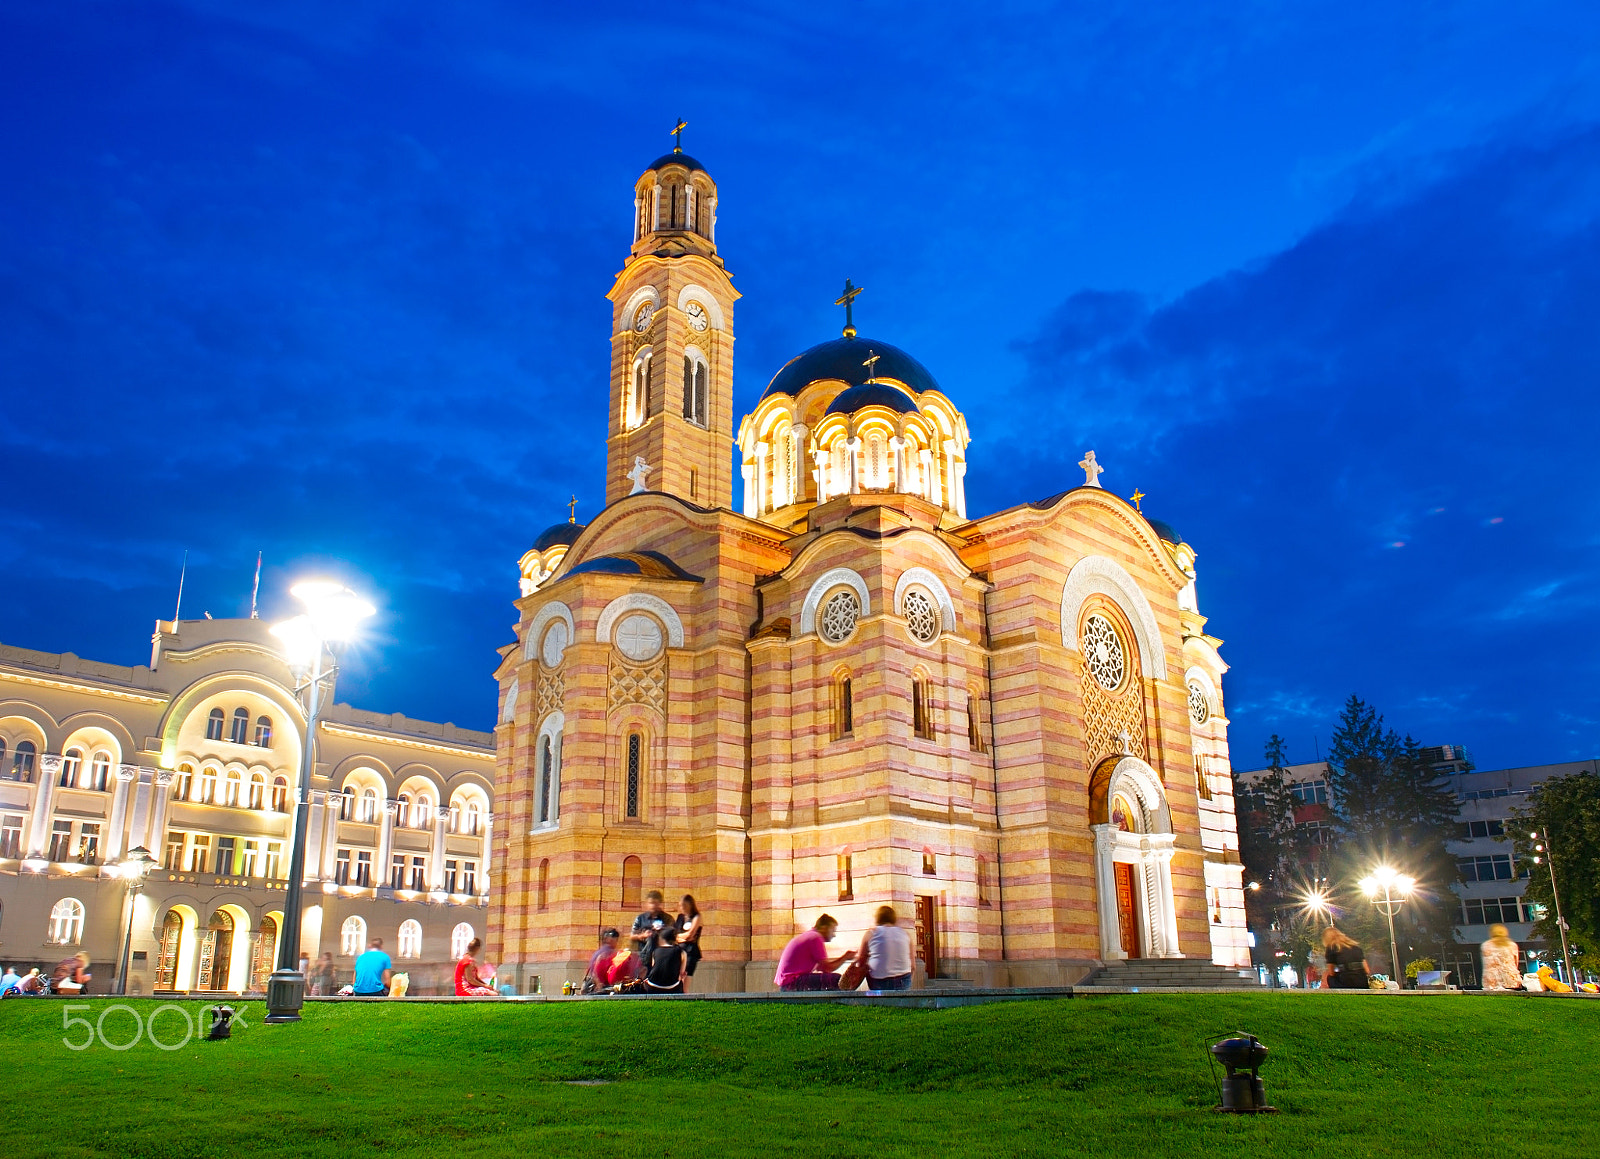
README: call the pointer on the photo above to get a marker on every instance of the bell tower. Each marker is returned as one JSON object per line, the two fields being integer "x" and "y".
{"x": 672, "y": 343}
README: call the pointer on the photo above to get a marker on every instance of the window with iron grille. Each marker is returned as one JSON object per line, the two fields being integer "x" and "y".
{"x": 635, "y": 758}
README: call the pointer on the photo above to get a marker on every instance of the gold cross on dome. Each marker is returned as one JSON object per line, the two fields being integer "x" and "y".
{"x": 847, "y": 300}
{"x": 1136, "y": 496}
{"x": 872, "y": 366}
{"x": 572, "y": 510}
{"x": 677, "y": 135}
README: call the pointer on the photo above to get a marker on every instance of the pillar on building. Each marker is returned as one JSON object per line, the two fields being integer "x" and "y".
{"x": 44, "y": 799}
{"x": 852, "y": 452}
{"x": 316, "y": 803}
{"x": 117, "y": 824}
{"x": 441, "y": 819}
{"x": 385, "y": 840}
{"x": 484, "y": 859}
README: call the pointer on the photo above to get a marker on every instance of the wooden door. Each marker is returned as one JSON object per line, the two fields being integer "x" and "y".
{"x": 1127, "y": 909}
{"x": 265, "y": 955}
{"x": 927, "y": 937}
{"x": 167, "y": 953}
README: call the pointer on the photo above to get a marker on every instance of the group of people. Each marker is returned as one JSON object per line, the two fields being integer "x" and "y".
{"x": 71, "y": 976}
{"x": 663, "y": 951}
{"x": 1346, "y": 962}
{"x": 883, "y": 960}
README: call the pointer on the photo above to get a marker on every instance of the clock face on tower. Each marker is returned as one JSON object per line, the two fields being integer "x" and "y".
{"x": 696, "y": 314}
{"x": 641, "y": 320}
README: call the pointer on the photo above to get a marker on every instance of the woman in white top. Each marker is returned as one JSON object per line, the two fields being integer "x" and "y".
{"x": 886, "y": 950}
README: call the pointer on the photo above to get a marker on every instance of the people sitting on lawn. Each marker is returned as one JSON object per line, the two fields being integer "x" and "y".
{"x": 1500, "y": 968}
{"x": 8, "y": 979}
{"x": 1347, "y": 962}
{"x": 669, "y": 964}
{"x": 646, "y": 927}
{"x": 32, "y": 985}
{"x": 373, "y": 971}
{"x": 805, "y": 964}
{"x": 886, "y": 951}
{"x": 608, "y": 966}
{"x": 469, "y": 982}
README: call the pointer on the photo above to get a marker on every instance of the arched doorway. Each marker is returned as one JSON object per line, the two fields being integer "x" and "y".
{"x": 168, "y": 950}
{"x": 216, "y": 952}
{"x": 266, "y": 954}
{"x": 1133, "y": 846}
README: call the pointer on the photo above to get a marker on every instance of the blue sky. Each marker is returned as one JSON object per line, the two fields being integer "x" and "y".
{"x": 326, "y": 281}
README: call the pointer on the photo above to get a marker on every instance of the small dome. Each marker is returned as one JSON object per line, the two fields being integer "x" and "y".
{"x": 683, "y": 159}
{"x": 566, "y": 533}
{"x": 1164, "y": 531}
{"x": 650, "y": 564}
{"x": 845, "y": 359}
{"x": 872, "y": 394}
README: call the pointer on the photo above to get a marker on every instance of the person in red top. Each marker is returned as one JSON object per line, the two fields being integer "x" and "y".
{"x": 468, "y": 983}
{"x": 805, "y": 964}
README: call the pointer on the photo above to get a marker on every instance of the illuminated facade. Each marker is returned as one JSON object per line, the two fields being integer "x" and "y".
{"x": 848, "y": 690}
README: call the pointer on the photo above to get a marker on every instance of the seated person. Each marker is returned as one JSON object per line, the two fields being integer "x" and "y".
{"x": 668, "y": 965}
{"x": 609, "y": 965}
{"x": 469, "y": 983}
{"x": 805, "y": 964}
{"x": 373, "y": 971}
{"x": 32, "y": 984}
{"x": 9, "y": 979}
{"x": 646, "y": 926}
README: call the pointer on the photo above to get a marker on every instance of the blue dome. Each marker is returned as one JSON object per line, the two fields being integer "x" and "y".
{"x": 648, "y": 564}
{"x": 566, "y": 533}
{"x": 872, "y": 394}
{"x": 1163, "y": 530}
{"x": 845, "y": 360}
{"x": 683, "y": 159}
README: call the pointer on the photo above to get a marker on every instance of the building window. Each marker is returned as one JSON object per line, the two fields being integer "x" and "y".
{"x": 419, "y": 873}
{"x": 632, "y": 875}
{"x": 1102, "y": 652}
{"x": 930, "y": 864}
{"x": 341, "y": 867}
{"x": 70, "y": 761}
{"x": 199, "y": 852}
{"x": 231, "y": 794}
{"x": 402, "y": 810}
{"x": 66, "y": 922}
{"x": 60, "y": 841}
{"x": 694, "y": 390}
{"x": 460, "y": 938}
{"x": 1202, "y": 783}
{"x": 174, "y": 861}
{"x": 184, "y": 783}
{"x": 922, "y": 620}
{"x": 100, "y": 771}
{"x": 280, "y": 795}
{"x": 637, "y": 406}
{"x": 369, "y": 805}
{"x": 1310, "y": 792}
{"x": 397, "y": 871}
{"x": 469, "y": 878}
{"x": 364, "y": 867}
{"x": 352, "y": 937}
{"x": 921, "y": 708}
{"x": 1199, "y": 705}
{"x": 546, "y": 777}
{"x": 411, "y": 938}
{"x": 214, "y": 724}
{"x": 983, "y": 881}
{"x": 1476, "y": 911}
{"x": 22, "y": 761}
{"x": 847, "y": 881}
{"x": 974, "y": 724}
{"x": 424, "y": 813}
{"x": 11, "y": 835}
{"x": 474, "y": 818}
{"x": 635, "y": 770}
{"x": 252, "y": 859}
{"x": 839, "y": 616}
{"x": 274, "y": 866}
{"x": 264, "y": 732}
{"x": 450, "y": 874}
{"x": 544, "y": 883}
{"x": 225, "y": 848}
{"x": 89, "y": 843}
{"x": 1495, "y": 868}
{"x": 241, "y": 726}
{"x": 1470, "y": 829}
{"x": 844, "y": 719}
{"x": 208, "y": 786}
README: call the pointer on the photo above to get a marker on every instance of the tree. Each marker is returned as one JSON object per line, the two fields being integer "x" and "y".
{"x": 1272, "y": 850}
{"x": 1568, "y": 808}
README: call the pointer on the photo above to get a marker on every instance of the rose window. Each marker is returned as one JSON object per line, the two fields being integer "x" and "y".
{"x": 1199, "y": 706}
{"x": 555, "y": 644}
{"x": 639, "y": 637}
{"x": 921, "y": 619}
{"x": 839, "y": 616}
{"x": 1102, "y": 652}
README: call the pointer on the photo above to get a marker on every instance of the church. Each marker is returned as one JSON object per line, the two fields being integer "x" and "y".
{"x": 840, "y": 688}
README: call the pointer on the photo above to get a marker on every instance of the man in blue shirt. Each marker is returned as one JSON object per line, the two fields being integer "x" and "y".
{"x": 373, "y": 969}
{"x": 9, "y": 979}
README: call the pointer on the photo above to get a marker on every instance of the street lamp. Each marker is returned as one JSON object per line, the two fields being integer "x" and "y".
{"x": 1542, "y": 849}
{"x": 1390, "y": 883}
{"x": 134, "y": 870}
{"x": 311, "y": 643}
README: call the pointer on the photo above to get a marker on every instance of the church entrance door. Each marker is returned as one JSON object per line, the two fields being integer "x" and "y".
{"x": 1127, "y": 909}
{"x": 927, "y": 937}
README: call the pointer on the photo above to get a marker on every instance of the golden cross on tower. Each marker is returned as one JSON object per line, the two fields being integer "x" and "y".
{"x": 572, "y": 510}
{"x": 677, "y": 135}
{"x": 872, "y": 365}
{"x": 847, "y": 300}
{"x": 1136, "y": 496}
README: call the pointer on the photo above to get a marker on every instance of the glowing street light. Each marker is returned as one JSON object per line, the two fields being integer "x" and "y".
{"x": 1542, "y": 853}
{"x": 1395, "y": 887}
{"x": 134, "y": 870}
{"x": 311, "y": 645}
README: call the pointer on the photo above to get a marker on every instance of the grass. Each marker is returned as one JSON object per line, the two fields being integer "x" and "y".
{"x": 1354, "y": 1075}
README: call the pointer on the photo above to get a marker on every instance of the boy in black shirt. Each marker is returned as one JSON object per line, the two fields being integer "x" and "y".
{"x": 645, "y": 929}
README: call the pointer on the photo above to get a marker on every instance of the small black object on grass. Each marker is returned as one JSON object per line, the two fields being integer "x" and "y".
{"x": 1242, "y": 1091}
{"x": 221, "y": 1023}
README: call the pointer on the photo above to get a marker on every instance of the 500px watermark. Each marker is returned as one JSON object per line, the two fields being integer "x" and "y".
{"x": 143, "y": 1027}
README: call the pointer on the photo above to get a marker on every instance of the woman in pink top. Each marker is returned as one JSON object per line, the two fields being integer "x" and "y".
{"x": 805, "y": 964}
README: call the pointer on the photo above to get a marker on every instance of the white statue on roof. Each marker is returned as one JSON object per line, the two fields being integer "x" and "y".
{"x": 641, "y": 472}
{"x": 1091, "y": 470}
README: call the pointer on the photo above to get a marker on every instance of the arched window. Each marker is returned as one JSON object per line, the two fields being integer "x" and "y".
{"x": 100, "y": 771}
{"x": 546, "y": 779}
{"x": 402, "y": 809}
{"x": 638, "y": 401}
{"x": 369, "y": 805}
{"x": 71, "y": 761}
{"x": 352, "y": 937}
{"x": 424, "y": 814}
{"x": 921, "y": 708}
{"x": 635, "y": 772}
{"x": 241, "y": 726}
{"x": 632, "y": 874}
{"x": 280, "y": 795}
{"x": 694, "y": 389}
{"x": 258, "y": 790}
{"x": 460, "y": 938}
{"x": 66, "y": 922}
{"x": 214, "y": 724}
{"x": 208, "y": 786}
{"x": 411, "y": 938}
{"x": 544, "y": 883}
{"x": 843, "y": 708}
{"x": 183, "y": 783}
{"x": 22, "y": 761}
{"x": 231, "y": 794}
{"x": 264, "y": 732}
{"x": 474, "y": 818}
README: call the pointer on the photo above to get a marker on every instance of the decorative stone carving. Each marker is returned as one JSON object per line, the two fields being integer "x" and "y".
{"x": 552, "y": 689}
{"x": 637, "y": 684}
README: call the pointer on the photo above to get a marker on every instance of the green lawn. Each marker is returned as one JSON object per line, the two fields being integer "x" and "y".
{"x": 1354, "y": 1075}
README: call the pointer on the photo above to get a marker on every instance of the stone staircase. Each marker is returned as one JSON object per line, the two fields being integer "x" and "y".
{"x": 1170, "y": 973}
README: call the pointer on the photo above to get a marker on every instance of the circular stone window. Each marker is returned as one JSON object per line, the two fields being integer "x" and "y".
{"x": 922, "y": 620}
{"x": 1199, "y": 706}
{"x": 839, "y": 616}
{"x": 555, "y": 644}
{"x": 638, "y": 637}
{"x": 1102, "y": 652}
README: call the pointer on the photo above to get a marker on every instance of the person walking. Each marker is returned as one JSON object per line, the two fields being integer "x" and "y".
{"x": 688, "y": 928}
{"x": 322, "y": 979}
{"x": 1500, "y": 968}
{"x": 1347, "y": 961}
{"x": 646, "y": 926}
{"x": 469, "y": 983}
{"x": 71, "y": 975}
{"x": 373, "y": 970}
{"x": 669, "y": 965}
{"x": 886, "y": 950}
{"x": 805, "y": 964}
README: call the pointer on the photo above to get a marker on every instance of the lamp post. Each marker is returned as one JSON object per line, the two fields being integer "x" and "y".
{"x": 310, "y": 644}
{"x": 1390, "y": 883}
{"x": 134, "y": 870}
{"x": 1542, "y": 849}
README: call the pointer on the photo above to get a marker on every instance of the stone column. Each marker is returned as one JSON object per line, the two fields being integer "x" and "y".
{"x": 1105, "y": 891}
{"x": 961, "y": 487}
{"x": 1166, "y": 909}
{"x": 44, "y": 798}
{"x": 748, "y": 471}
{"x": 484, "y": 857}
{"x": 116, "y": 827}
{"x": 441, "y": 819}
{"x": 143, "y": 792}
{"x": 655, "y": 207}
{"x": 160, "y": 802}
{"x": 763, "y": 489}
{"x": 798, "y": 482}
{"x": 820, "y": 456}
{"x": 385, "y": 840}
{"x": 898, "y": 445}
{"x": 638, "y": 220}
{"x": 332, "y": 804}
{"x": 852, "y": 454}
